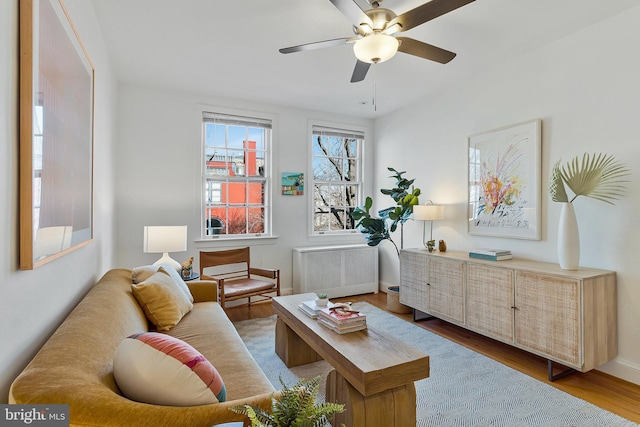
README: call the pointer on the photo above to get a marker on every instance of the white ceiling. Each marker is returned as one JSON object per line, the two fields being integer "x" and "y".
{"x": 230, "y": 48}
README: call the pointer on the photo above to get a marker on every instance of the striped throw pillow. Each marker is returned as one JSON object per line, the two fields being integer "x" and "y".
{"x": 156, "y": 368}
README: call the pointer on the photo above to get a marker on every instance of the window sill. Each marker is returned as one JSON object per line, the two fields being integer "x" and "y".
{"x": 234, "y": 241}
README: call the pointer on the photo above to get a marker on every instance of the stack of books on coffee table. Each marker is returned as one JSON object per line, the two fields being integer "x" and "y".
{"x": 342, "y": 321}
{"x": 491, "y": 254}
{"x": 311, "y": 309}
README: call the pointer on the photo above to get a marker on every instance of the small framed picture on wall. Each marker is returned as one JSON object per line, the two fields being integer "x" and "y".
{"x": 292, "y": 183}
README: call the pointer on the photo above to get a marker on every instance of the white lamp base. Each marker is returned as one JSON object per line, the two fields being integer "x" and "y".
{"x": 166, "y": 259}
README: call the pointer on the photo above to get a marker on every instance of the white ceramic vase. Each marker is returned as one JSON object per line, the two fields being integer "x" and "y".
{"x": 568, "y": 238}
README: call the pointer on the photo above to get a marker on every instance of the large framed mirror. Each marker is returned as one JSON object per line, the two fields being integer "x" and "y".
{"x": 56, "y": 135}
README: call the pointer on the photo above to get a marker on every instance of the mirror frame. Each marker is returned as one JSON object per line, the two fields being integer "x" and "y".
{"x": 67, "y": 100}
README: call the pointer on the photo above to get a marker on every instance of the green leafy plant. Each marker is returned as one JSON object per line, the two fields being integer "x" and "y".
{"x": 598, "y": 176}
{"x": 322, "y": 296}
{"x": 379, "y": 229}
{"x": 295, "y": 407}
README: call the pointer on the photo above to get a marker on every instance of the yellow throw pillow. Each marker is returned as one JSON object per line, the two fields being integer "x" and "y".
{"x": 163, "y": 302}
{"x": 140, "y": 274}
{"x": 167, "y": 269}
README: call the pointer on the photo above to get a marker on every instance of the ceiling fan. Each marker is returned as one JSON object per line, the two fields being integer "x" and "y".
{"x": 375, "y": 31}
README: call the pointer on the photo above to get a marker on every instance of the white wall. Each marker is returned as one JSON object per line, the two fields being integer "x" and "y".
{"x": 159, "y": 167}
{"x": 586, "y": 90}
{"x": 34, "y": 302}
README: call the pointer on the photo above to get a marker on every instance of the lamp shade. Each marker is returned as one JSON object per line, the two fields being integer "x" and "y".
{"x": 428, "y": 212}
{"x": 161, "y": 239}
{"x": 375, "y": 47}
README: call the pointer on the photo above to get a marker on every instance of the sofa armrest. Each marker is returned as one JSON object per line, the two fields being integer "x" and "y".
{"x": 203, "y": 290}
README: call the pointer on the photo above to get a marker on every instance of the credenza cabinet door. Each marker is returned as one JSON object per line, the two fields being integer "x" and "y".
{"x": 414, "y": 290}
{"x": 446, "y": 289}
{"x": 548, "y": 317}
{"x": 490, "y": 301}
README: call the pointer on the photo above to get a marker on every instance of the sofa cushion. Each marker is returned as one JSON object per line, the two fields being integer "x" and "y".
{"x": 140, "y": 274}
{"x": 163, "y": 302}
{"x": 160, "y": 369}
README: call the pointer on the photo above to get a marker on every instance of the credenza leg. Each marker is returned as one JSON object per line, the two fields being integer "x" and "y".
{"x": 421, "y": 315}
{"x": 391, "y": 408}
{"x": 559, "y": 375}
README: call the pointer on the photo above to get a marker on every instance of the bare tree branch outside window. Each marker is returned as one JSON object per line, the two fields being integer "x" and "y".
{"x": 336, "y": 181}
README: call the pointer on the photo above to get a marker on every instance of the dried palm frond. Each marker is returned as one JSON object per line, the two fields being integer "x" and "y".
{"x": 556, "y": 186}
{"x": 598, "y": 176}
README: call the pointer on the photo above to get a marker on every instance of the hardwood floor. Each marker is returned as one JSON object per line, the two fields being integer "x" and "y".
{"x": 605, "y": 391}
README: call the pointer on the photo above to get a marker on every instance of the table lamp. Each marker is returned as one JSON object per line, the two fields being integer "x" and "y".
{"x": 165, "y": 239}
{"x": 428, "y": 212}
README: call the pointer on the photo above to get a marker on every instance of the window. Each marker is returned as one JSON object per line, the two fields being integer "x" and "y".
{"x": 236, "y": 177}
{"x": 337, "y": 170}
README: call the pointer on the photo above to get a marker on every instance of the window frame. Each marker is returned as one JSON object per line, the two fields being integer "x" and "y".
{"x": 237, "y": 118}
{"x": 359, "y": 133}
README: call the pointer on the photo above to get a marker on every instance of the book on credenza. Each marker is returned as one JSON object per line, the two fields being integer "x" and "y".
{"x": 491, "y": 252}
{"x": 311, "y": 309}
{"x": 490, "y": 257}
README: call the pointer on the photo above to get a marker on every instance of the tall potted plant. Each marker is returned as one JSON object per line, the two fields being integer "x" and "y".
{"x": 378, "y": 229}
{"x": 598, "y": 176}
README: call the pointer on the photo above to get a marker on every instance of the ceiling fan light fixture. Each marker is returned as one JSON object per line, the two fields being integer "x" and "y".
{"x": 392, "y": 29}
{"x": 375, "y": 48}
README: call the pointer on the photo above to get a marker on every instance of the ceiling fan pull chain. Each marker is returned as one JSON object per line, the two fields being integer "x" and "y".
{"x": 375, "y": 104}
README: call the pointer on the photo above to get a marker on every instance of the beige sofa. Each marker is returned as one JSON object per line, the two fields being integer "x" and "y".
{"x": 75, "y": 366}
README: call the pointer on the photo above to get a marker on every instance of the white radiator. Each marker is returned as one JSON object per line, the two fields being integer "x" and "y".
{"x": 338, "y": 271}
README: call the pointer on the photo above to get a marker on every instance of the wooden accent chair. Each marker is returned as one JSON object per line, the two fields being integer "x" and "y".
{"x": 234, "y": 275}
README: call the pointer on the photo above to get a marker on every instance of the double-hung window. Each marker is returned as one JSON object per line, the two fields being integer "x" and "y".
{"x": 236, "y": 176}
{"x": 337, "y": 178}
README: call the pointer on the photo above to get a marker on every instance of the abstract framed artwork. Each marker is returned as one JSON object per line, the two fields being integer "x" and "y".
{"x": 56, "y": 135}
{"x": 504, "y": 182}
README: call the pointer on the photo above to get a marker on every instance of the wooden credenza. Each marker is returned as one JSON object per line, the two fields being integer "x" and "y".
{"x": 568, "y": 317}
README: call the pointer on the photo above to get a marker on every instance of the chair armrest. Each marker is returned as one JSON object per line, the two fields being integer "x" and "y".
{"x": 265, "y": 272}
{"x": 203, "y": 290}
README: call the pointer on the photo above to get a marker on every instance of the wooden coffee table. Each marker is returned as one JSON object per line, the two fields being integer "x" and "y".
{"x": 373, "y": 373}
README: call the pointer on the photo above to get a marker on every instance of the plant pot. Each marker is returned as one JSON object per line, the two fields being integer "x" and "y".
{"x": 322, "y": 302}
{"x": 393, "y": 301}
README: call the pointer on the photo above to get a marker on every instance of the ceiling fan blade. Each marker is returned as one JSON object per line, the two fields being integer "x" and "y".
{"x": 353, "y": 12}
{"x": 424, "y": 50}
{"x": 360, "y": 71}
{"x": 318, "y": 45}
{"x": 428, "y": 11}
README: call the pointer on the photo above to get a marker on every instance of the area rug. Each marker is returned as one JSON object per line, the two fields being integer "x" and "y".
{"x": 464, "y": 388}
